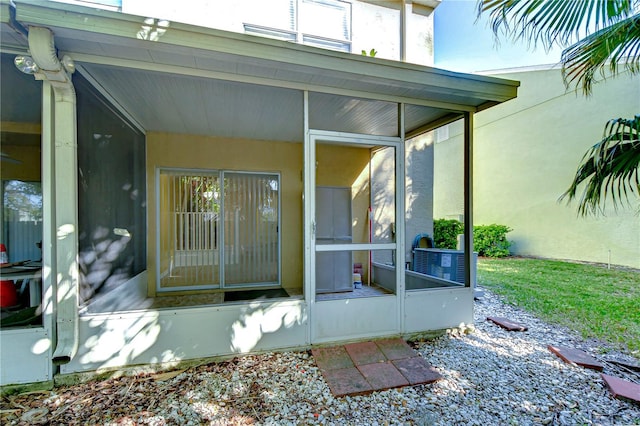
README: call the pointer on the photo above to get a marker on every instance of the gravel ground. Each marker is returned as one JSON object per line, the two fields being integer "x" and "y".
{"x": 491, "y": 377}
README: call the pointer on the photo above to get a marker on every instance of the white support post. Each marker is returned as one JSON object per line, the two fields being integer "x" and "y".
{"x": 308, "y": 173}
{"x": 64, "y": 208}
{"x": 400, "y": 220}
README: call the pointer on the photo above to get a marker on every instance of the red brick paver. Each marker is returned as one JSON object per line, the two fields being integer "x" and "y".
{"x": 346, "y": 381}
{"x": 395, "y": 349}
{"x": 359, "y": 368}
{"x": 333, "y": 358}
{"x": 622, "y": 388}
{"x": 507, "y": 324}
{"x": 417, "y": 370}
{"x": 364, "y": 353}
{"x": 576, "y": 356}
{"x": 383, "y": 375}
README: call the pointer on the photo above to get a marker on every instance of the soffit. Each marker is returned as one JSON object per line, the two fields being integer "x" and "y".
{"x": 207, "y": 76}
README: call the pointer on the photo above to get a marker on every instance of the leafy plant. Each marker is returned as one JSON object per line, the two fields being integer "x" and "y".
{"x": 372, "y": 53}
{"x": 446, "y": 231}
{"x": 610, "y": 167}
{"x": 608, "y": 33}
{"x": 491, "y": 240}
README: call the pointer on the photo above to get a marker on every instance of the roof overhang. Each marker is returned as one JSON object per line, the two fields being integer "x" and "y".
{"x": 129, "y": 55}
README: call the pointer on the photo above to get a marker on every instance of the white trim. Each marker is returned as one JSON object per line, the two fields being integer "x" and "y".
{"x": 353, "y": 138}
{"x": 87, "y": 75}
{"x": 193, "y": 72}
{"x": 355, "y": 247}
{"x": 220, "y": 243}
{"x": 400, "y": 219}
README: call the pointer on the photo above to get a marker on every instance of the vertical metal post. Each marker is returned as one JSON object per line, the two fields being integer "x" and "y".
{"x": 403, "y": 30}
{"x": 308, "y": 169}
{"x": 468, "y": 198}
{"x": 400, "y": 220}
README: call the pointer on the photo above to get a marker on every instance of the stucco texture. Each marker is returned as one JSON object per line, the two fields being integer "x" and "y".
{"x": 526, "y": 152}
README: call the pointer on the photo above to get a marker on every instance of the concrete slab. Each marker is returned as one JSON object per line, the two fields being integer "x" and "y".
{"x": 621, "y": 388}
{"x": 333, "y": 358}
{"x": 416, "y": 370}
{"x": 507, "y": 324}
{"x": 395, "y": 349}
{"x": 576, "y": 356}
{"x": 364, "y": 353}
{"x": 383, "y": 375}
{"x": 346, "y": 381}
{"x": 358, "y": 368}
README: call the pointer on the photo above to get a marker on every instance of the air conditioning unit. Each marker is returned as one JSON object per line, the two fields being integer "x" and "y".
{"x": 442, "y": 263}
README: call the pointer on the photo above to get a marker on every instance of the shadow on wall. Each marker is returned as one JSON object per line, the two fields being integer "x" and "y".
{"x": 418, "y": 197}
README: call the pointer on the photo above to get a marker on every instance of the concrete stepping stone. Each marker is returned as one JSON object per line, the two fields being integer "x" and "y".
{"x": 621, "y": 388}
{"x": 576, "y": 356}
{"x": 395, "y": 349}
{"x": 346, "y": 381}
{"x": 364, "y": 353}
{"x": 417, "y": 370}
{"x": 360, "y": 368}
{"x": 383, "y": 375}
{"x": 507, "y": 324}
{"x": 333, "y": 358}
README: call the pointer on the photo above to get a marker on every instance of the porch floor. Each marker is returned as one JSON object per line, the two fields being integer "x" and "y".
{"x": 360, "y": 368}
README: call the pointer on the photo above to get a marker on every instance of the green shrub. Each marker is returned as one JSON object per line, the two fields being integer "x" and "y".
{"x": 445, "y": 233}
{"x": 491, "y": 240}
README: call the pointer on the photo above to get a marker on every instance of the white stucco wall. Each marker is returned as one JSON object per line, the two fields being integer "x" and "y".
{"x": 374, "y": 24}
{"x": 526, "y": 152}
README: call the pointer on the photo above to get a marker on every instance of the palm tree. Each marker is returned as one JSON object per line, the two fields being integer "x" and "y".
{"x": 608, "y": 34}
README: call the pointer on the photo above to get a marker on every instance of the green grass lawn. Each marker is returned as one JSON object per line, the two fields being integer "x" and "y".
{"x": 595, "y": 301}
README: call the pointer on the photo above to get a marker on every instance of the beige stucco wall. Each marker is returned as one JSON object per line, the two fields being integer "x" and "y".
{"x": 337, "y": 166}
{"x": 526, "y": 152}
{"x": 200, "y": 152}
{"x": 28, "y": 168}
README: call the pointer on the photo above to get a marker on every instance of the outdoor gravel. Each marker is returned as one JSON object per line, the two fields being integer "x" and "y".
{"x": 491, "y": 377}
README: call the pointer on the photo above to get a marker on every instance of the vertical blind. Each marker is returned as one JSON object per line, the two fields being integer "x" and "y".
{"x": 216, "y": 225}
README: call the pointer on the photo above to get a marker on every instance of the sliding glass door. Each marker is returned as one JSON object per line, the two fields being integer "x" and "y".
{"x": 217, "y": 229}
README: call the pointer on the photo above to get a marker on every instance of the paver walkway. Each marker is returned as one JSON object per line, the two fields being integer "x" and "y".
{"x": 360, "y": 368}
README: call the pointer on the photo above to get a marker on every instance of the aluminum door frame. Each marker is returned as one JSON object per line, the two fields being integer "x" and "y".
{"x": 312, "y": 138}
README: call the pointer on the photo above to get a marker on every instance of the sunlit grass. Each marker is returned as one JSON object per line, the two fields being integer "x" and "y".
{"x": 595, "y": 301}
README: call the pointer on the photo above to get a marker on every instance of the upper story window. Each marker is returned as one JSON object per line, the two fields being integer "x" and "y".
{"x": 321, "y": 23}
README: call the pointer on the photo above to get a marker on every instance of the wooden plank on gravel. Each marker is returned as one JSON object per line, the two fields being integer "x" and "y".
{"x": 621, "y": 388}
{"x": 507, "y": 324}
{"x": 577, "y": 357}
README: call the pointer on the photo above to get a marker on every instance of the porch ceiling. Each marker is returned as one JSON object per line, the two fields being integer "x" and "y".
{"x": 180, "y": 78}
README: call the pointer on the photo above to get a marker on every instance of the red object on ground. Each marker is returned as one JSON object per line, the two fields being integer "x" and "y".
{"x": 507, "y": 324}
{"x": 576, "y": 356}
{"x": 8, "y": 293}
{"x": 621, "y": 388}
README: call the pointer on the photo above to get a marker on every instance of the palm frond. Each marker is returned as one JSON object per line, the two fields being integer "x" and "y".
{"x": 616, "y": 44}
{"x": 552, "y": 21}
{"x": 611, "y": 168}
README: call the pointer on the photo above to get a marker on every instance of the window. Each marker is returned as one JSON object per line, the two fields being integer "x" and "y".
{"x": 218, "y": 229}
{"x": 22, "y": 202}
{"x": 321, "y": 23}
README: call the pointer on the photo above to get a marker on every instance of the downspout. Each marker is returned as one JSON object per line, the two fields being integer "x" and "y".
{"x": 403, "y": 30}
{"x": 65, "y": 205}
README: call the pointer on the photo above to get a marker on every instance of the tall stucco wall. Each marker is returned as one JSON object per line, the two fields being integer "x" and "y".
{"x": 374, "y": 24}
{"x": 525, "y": 155}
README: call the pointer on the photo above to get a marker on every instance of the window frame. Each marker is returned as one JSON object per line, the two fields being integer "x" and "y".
{"x": 299, "y": 35}
{"x": 221, "y": 250}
